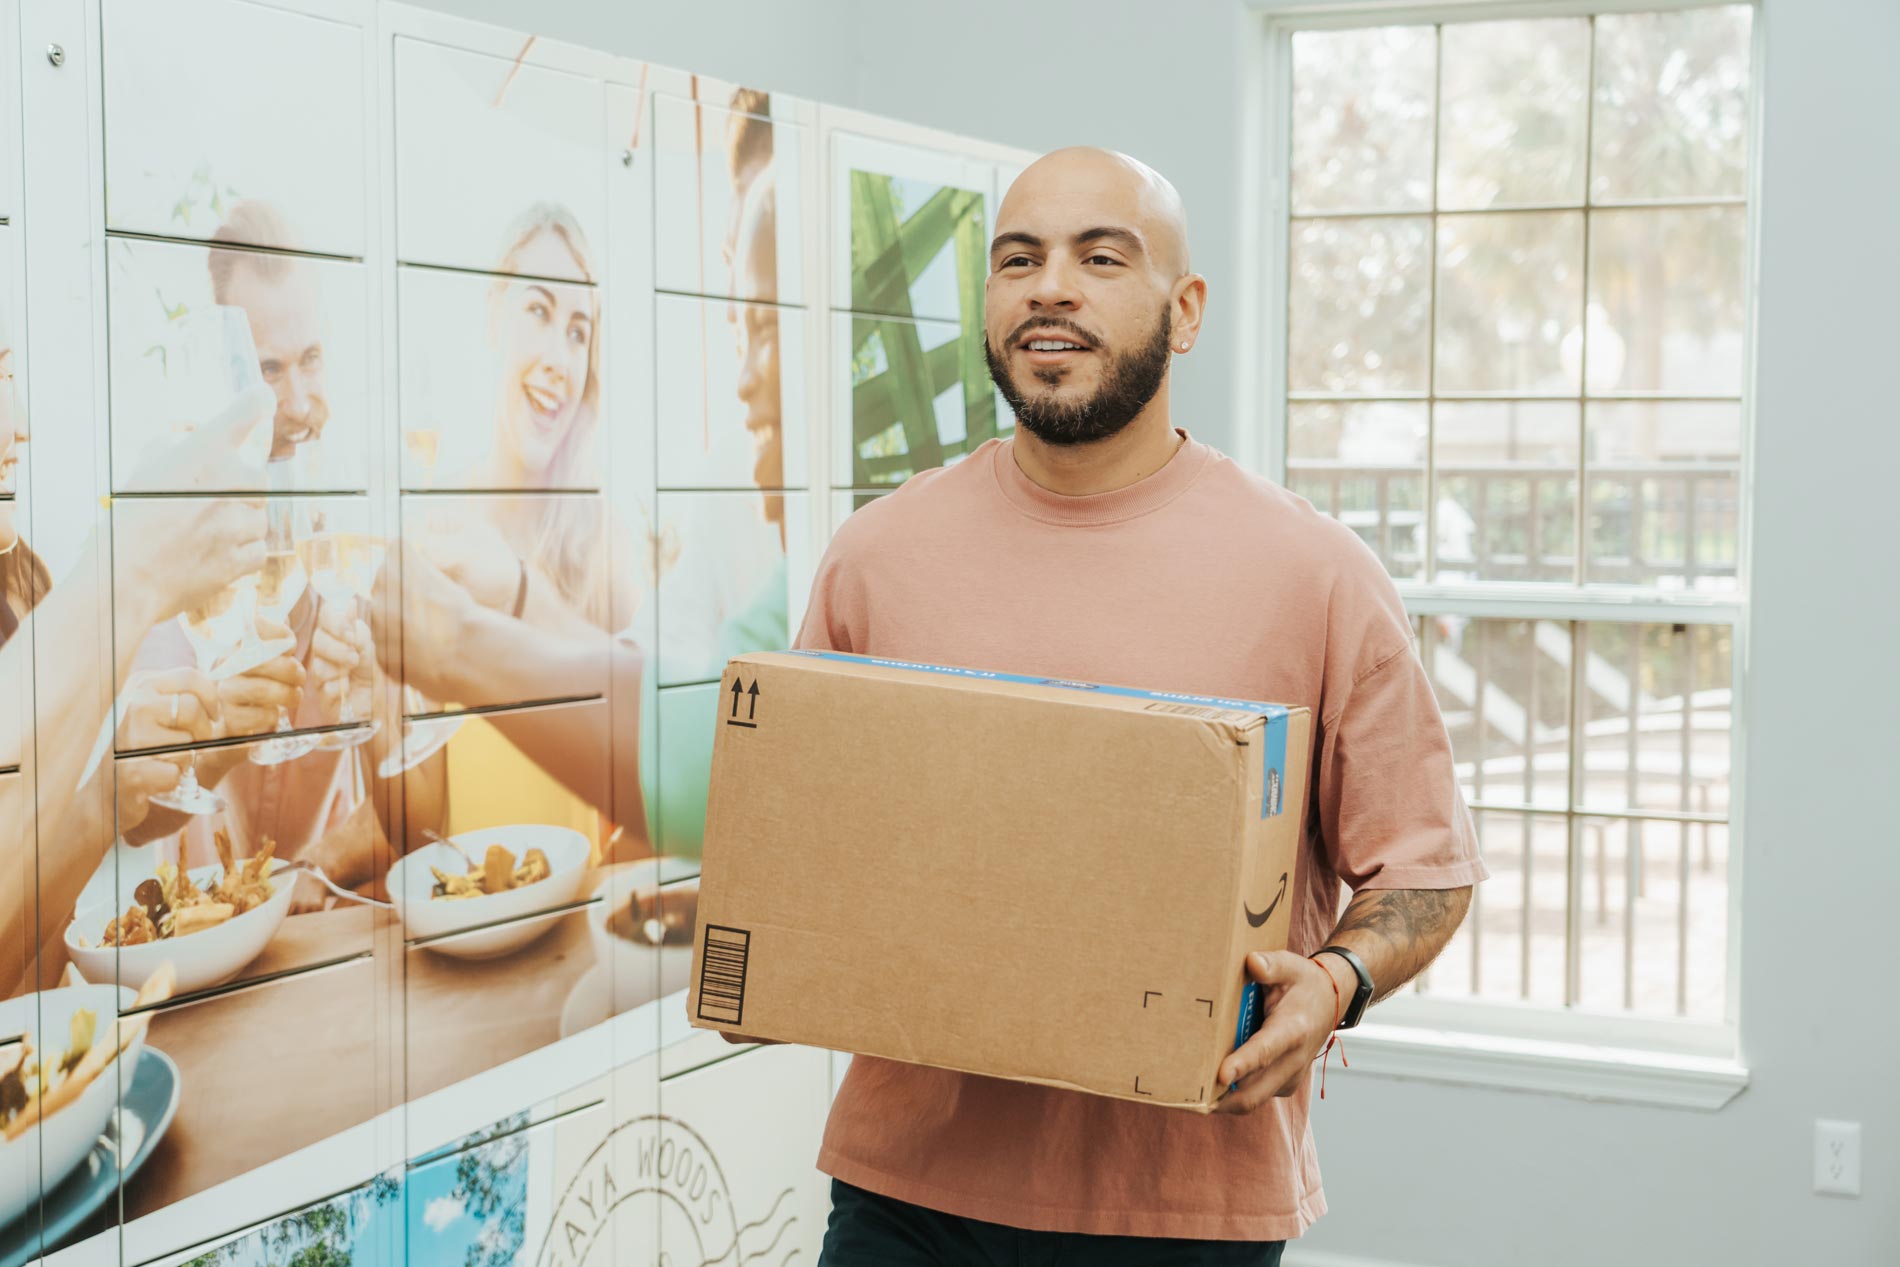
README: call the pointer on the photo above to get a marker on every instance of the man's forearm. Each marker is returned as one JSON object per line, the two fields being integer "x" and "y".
{"x": 1396, "y": 933}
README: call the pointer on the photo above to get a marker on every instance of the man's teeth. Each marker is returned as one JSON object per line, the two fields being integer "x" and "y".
{"x": 1053, "y": 345}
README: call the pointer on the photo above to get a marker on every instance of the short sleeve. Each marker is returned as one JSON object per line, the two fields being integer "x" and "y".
{"x": 836, "y": 615}
{"x": 1391, "y": 815}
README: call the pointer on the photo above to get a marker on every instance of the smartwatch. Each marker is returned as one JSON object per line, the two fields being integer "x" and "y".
{"x": 1361, "y": 997}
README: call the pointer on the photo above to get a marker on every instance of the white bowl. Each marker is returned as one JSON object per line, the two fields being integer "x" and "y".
{"x": 202, "y": 959}
{"x": 639, "y": 972}
{"x": 499, "y": 916}
{"x": 47, "y": 1151}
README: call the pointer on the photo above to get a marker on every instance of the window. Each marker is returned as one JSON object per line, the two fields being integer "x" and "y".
{"x": 1514, "y": 363}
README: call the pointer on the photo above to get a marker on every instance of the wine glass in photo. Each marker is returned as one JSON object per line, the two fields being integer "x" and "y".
{"x": 277, "y": 589}
{"x": 342, "y": 568}
{"x": 214, "y": 629}
{"x": 422, "y": 736}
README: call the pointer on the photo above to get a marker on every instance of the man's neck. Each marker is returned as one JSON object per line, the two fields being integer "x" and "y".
{"x": 1132, "y": 454}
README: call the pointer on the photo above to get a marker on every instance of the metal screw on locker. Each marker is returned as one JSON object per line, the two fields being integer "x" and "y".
{"x": 56, "y": 54}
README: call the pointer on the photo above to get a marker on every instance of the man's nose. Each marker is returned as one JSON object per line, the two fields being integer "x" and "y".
{"x": 1055, "y": 287}
{"x": 295, "y": 404}
{"x": 751, "y": 372}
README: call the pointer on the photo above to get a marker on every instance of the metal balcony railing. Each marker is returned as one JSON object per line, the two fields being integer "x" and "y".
{"x": 1667, "y": 524}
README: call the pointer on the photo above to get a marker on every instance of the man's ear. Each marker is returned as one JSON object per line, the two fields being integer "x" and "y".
{"x": 1187, "y": 304}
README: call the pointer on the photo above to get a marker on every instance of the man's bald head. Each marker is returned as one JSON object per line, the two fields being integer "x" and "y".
{"x": 1114, "y": 185}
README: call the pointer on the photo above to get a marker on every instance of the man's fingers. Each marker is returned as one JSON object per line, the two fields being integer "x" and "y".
{"x": 263, "y": 692}
{"x": 284, "y": 670}
{"x": 1278, "y": 1036}
{"x": 1275, "y": 967}
{"x": 330, "y": 655}
{"x": 188, "y": 682}
{"x": 1282, "y": 1078}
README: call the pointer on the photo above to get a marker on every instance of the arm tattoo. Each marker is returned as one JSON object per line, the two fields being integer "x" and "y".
{"x": 1414, "y": 924}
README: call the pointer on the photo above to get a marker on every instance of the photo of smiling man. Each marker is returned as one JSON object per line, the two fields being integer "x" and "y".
{"x": 191, "y": 326}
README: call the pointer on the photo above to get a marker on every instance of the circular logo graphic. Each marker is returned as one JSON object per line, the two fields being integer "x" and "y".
{"x": 653, "y": 1155}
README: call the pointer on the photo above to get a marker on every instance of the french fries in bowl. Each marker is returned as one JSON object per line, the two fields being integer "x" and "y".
{"x": 58, "y": 1080}
{"x": 208, "y": 922}
{"x": 485, "y": 888}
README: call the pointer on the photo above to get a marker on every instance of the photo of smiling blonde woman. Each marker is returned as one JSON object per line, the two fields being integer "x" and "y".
{"x": 506, "y": 594}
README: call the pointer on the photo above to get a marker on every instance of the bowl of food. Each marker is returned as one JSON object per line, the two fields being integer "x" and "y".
{"x": 58, "y": 1083}
{"x": 207, "y": 922}
{"x": 482, "y": 883}
{"x": 642, "y": 929}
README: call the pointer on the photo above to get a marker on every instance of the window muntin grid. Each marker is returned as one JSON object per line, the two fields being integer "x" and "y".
{"x": 1613, "y": 470}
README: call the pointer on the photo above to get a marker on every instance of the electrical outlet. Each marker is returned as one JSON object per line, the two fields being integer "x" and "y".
{"x": 1837, "y": 1157}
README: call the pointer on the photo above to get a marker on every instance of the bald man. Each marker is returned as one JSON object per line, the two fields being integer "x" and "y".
{"x": 1102, "y": 543}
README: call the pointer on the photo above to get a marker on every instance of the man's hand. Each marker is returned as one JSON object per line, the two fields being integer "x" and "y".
{"x": 342, "y": 665}
{"x": 1395, "y": 932}
{"x": 312, "y": 895}
{"x": 436, "y": 616}
{"x": 136, "y": 781}
{"x": 167, "y": 707}
{"x": 1302, "y": 1008}
{"x": 249, "y": 702}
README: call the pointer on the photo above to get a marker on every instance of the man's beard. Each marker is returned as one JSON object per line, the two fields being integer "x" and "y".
{"x": 287, "y": 436}
{"x": 1129, "y": 382}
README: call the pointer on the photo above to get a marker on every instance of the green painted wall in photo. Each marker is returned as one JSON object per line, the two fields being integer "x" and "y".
{"x": 917, "y": 248}
{"x": 689, "y": 717}
{"x": 920, "y": 396}
{"x": 918, "y": 257}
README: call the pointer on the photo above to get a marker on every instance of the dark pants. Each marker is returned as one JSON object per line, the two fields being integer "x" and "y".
{"x": 868, "y": 1230}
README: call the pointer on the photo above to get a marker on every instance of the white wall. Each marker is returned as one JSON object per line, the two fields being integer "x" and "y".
{"x": 1427, "y": 1174}
{"x": 1156, "y": 78}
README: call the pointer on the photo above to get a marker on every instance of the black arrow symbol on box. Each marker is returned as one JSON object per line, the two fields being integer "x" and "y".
{"x": 738, "y": 689}
{"x": 753, "y": 707}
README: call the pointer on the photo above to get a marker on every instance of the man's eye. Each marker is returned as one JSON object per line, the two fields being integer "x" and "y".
{"x": 1014, "y": 260}
{"x": 539, "y": 309}
{"x": 1099, "y": 258}
{"x": 313, "y": 358}
{"x": 270, "y": 369}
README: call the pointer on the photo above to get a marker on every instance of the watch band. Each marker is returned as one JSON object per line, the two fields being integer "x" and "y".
{"x": 1361, "y": 997}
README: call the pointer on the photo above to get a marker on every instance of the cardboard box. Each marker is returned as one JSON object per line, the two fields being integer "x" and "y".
{"x": 1050, "y": 881}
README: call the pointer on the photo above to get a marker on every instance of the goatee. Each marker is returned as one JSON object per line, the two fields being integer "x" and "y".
{"x": 1128, "y": 383}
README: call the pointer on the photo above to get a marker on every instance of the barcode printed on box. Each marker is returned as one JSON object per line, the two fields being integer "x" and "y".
{"x": 722, "y": 965}
{"x": 1193, "y": 710}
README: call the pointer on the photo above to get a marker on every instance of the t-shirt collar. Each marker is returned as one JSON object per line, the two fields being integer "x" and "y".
{"x": 1143, "y": 496}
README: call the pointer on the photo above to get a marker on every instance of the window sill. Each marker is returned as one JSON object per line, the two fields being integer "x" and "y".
{"x": 1578, "y": 1070}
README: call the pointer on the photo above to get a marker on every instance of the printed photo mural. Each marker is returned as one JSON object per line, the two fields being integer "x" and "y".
{"x": 440, "y": 411}
{"x": 911, "y": 334}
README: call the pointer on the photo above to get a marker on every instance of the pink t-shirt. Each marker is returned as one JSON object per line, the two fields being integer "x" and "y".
{"x": 1201, "y": 578}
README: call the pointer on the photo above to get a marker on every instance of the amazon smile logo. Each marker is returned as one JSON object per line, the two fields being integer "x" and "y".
{"x": 1255, "y": 920}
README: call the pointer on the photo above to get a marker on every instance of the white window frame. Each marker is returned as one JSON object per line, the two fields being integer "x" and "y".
{"x": 1596, "y": 1055}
